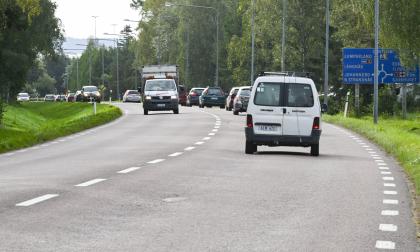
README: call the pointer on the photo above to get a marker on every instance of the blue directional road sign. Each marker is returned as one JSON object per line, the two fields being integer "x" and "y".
{"x": 358, "y": 67}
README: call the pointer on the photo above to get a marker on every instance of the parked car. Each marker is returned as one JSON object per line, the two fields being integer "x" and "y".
{"x": 283, "y": 110}
{"x": 60, "y": 98}
{"x": 212, "y": 96}
{"x": 182, "y": 95}
{"x": 22, "y": 97}
{"x": 230, "y": 98}
{"x": 132, "y": 96}
{"x": 194, "y": 96}
{"x": 90, "y": 93}
{"x": 240, "y": 103}
{"x": 70, "y": 97}
{"x": 78, "y": 96}
{"x": 49, "y": 98}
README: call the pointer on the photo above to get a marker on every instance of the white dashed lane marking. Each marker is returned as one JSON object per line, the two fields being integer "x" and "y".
{"x": 386, "y": 173}
{"x": 389, "y": 185}
{"x": 156, "y": 161}
{"x": 390, "y": 193}
{"x": 385, "y": 245}
{"x": 90, "y": 182}
{"x": 390, "y": 202}
{"x": 189, "y": 148}
{"x": 212, "y": 134}
{"x": 388, "y": 227}
{"x": 206, "y": 138}
{"x": 129, "y": 170}
{"x": 176, "y": 154}
{"x": 389, "y": 213}
{"x": 388, "y": 178}
{"x": 37, "y": 200}
{"x": 199, "y": 143}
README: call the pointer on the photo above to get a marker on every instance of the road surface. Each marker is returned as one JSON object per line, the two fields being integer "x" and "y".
{"x": 168, "y": 182}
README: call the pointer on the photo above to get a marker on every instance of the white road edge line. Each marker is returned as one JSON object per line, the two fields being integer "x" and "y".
{"x": 176, "y": 154}
{"x": 156, "y": 161}
{"x": 385, "y": 245}
{"x": 128, "y": 170}
{"x": 36, "y": 200}
{"x": 388, "y": 227}
{"x": 199, "y": 143}
{"x": 189, "y": 148}
{"x": 390, "y": 192}
{"x": 206, "y": 138}
{"x": 90, "y": 182}
{"x": 389, "y": 185}
{"x": 212, "y": 134}
{"x": 388, "y": 178}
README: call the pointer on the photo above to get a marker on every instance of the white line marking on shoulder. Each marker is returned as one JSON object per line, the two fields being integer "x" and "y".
{"x": 390, "y": 192}
{"x": 386, "y": 173}
{"x": 90, "y": 182}
{"x": 390, "y": 185}
{"x": 37, "y": 200}
{"x": 388, "y": 178}
{"x": 212, "y": 134}
{"x": 199, "y": 143}
{"x": 206, "y": 138}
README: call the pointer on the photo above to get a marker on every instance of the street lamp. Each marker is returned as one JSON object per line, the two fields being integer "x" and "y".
{"x": 118, "y": 67}
{"x": 327, "y": 49}
{"x": 95, "y": 17}
{"x": 168, "y": 4}
{"x": 252, "y": 42}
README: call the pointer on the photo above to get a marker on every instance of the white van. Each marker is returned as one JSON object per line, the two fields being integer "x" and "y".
{"x": 283, "y": 110}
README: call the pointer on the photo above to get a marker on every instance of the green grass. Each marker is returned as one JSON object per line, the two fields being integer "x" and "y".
{"x": 28, "y": 124}
{"x": 400, "y": 138}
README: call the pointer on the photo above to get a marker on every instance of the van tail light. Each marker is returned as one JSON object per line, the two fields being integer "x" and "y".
{"x": 316, "y": 123}
{"x": 249, "y": 122}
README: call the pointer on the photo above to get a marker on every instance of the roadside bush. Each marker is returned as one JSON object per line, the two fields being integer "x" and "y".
{"x": 2, "y": 110}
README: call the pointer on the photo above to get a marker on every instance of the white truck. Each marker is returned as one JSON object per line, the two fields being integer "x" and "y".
{"x": 159, "y": 88}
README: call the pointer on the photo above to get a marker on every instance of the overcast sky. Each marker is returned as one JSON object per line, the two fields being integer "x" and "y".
{"x": 76, "y": 16}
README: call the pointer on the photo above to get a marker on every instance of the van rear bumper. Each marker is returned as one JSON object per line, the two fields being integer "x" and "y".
{"x": 275, "y": 140}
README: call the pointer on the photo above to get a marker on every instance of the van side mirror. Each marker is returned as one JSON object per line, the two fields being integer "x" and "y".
{"x": 324, "y": 108}
{"x": 139, "y": 89}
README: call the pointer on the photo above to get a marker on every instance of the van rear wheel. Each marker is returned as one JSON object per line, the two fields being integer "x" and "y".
{"x": 250, "y": 148}
{"x": 146, "y": 112}
{"x": 176, "y": 111}
{"x": 315, "y": 150}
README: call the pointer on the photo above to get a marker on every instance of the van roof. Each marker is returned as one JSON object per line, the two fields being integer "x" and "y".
{"x": 285, "y": 79}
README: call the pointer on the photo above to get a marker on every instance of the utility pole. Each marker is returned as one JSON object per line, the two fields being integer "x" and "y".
{"x": 95, "y": 17}
{"x": 327, "y": 49}
{"x": 376, "y": 77}
{"x": 252, "y": 42}
{"x": 283, "y": 37}
{"x": 77, "y": 73}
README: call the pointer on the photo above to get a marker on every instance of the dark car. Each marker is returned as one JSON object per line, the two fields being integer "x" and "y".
{"x": 231, "y": 97}
{"x": 193, "y": 96}
{"x": 182, "y": 95}
{"x": 70, "y": 97}
{"x": 212, "y": 96}
{"x": 78, "y": 96}
{"x": 90, "y": 93}
{"x": 240, "y": 103}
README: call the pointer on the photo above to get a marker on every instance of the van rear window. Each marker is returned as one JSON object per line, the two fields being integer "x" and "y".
{"x": 299, "y": 95}
{"x": 268, "y": 94}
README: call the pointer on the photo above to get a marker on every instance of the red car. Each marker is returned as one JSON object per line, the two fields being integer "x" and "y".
{"x": 182, "y": 94}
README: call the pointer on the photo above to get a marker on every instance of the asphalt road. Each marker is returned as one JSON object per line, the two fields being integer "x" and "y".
{"x": 169, "y": 182}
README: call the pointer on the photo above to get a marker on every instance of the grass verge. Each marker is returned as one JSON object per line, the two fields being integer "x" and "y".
{"x": 28, "y": 124}
{"x": 400, "y": 138}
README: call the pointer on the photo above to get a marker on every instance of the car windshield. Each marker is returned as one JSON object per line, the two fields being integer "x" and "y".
{"x": 245, "y": 92}
{"x": 197, "y": 91}
{"x": 133, "y": 93}
{"x": 160, "y": 85}
{"x": 90, "y": 89}
{"x": 214, "y": 91}
{"x": 23, "y": 95}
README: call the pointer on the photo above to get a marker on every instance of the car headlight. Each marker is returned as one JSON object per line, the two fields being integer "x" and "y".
{"x": 85, "y": 94}
{"x": 148, "y": 97}
{"x": 174, "y": 97}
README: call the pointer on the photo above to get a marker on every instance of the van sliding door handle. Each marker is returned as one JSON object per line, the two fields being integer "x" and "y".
{"x": 284, "y": 111}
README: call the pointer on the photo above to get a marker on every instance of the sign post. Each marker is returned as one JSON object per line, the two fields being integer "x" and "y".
{"x": 357, "y": 99}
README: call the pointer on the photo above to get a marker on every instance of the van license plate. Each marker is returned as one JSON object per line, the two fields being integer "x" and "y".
{"x": 161, "y": 105}
{"x": 268, "y": 128}
{"x": 214, "y": 98}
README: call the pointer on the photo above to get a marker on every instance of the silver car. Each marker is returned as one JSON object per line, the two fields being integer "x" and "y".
{"x": 132, "y": 96}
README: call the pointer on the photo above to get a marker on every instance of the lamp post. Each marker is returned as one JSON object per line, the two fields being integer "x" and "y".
{"x": 376, "y": 73}
{"x": 95, "y": 17}
{"x": 327, "y": 49}
{"x": 118, "y": 67}
{"x": 167, "y": 4}
{"x": 252, "y": 42}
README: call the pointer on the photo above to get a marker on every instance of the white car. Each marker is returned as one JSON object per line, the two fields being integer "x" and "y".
{"x": 283, "y": 110}
{"x": 23, "y": 97}
{"x": 132, "y": 96}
